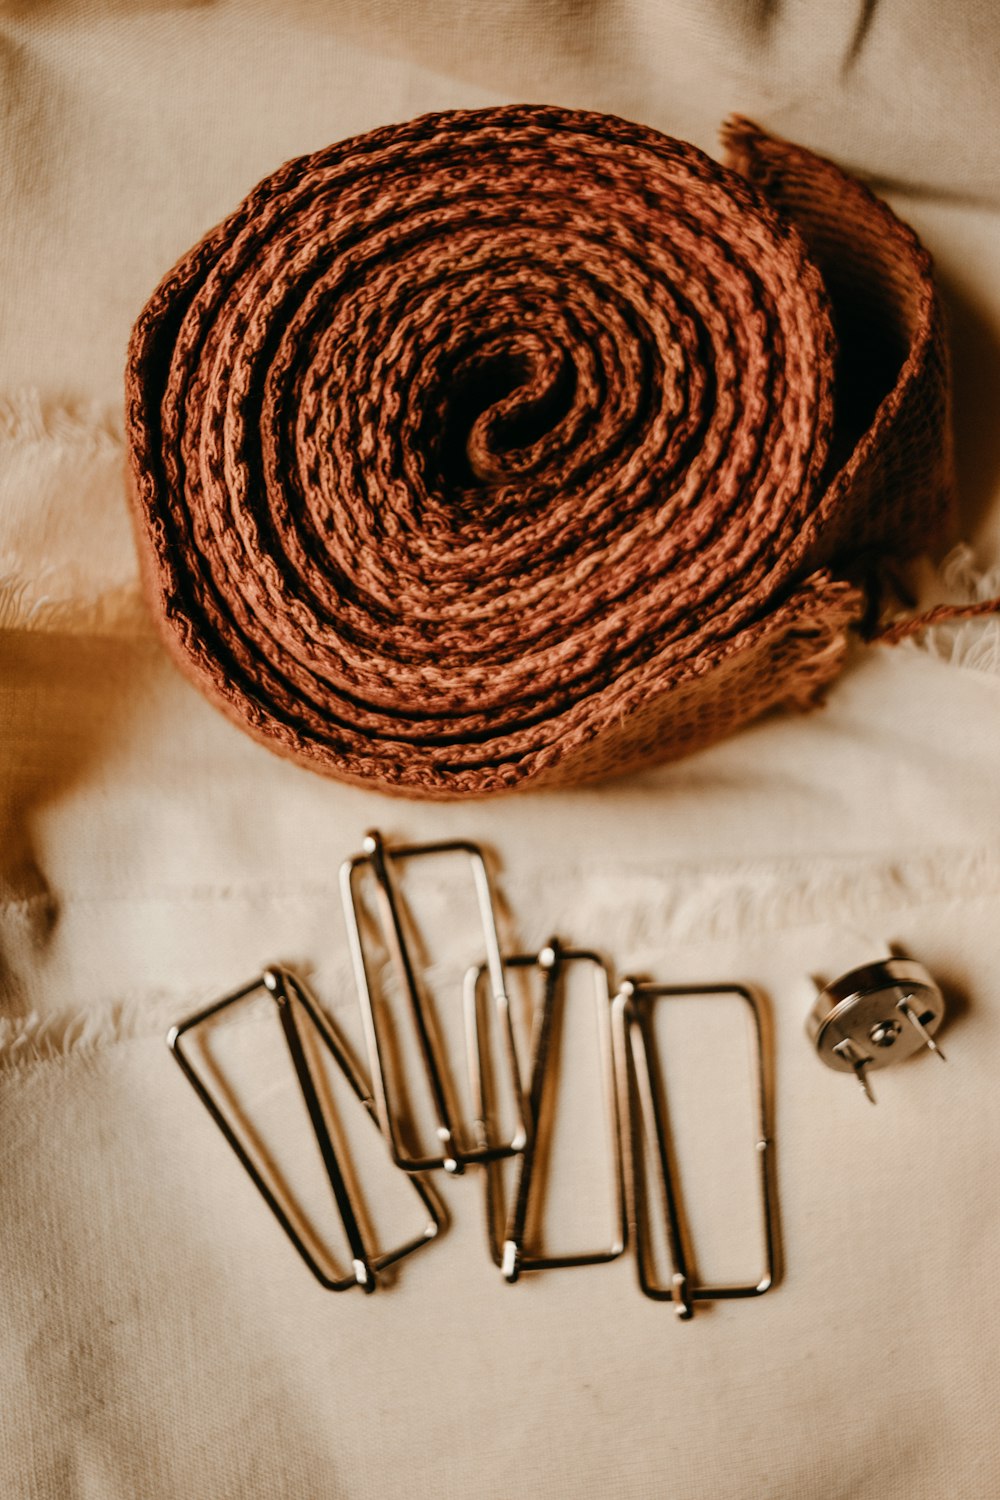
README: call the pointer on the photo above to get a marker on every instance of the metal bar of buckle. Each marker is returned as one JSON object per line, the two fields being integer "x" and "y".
{"x": 640, "y": 1102}
{"x": 286, "y": 988}
{"x": 459, "y": 1147}
{"x": 510, "y": 1254}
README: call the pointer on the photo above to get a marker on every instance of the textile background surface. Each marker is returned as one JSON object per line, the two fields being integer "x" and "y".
{"x": 158, "y": 1336}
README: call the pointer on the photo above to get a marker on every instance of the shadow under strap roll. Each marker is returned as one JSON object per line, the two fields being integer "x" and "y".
{"x": 519, "y": 447}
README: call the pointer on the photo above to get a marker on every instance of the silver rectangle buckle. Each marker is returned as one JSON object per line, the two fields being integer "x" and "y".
{"x": 461, "y": 1142}
{"x": 642, "y": 1101}
{"x": 509, "y": 1253}
{"x": 288, "y": 992}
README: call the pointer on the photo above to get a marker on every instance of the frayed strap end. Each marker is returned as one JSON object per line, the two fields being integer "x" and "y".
{"x": 894, "y": 631}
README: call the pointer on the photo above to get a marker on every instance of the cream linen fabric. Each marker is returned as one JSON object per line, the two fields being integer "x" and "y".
{"x": 158, "y": 1336}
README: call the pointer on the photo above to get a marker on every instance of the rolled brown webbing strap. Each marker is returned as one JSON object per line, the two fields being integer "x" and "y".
{"x": 522, "y": 446}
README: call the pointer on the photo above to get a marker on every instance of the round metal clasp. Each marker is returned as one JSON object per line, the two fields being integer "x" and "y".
{"x": 876, "y": 1015}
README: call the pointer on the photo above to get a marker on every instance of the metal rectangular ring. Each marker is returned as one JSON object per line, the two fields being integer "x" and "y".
{"x": 461, "y": 1144}
{"x": 284, "y": 987}
{"x": 510, "y": 1253}
{"x": 641, "y": 1103}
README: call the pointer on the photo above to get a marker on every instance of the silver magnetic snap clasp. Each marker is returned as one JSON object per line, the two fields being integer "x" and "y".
{"x": 875, "y": 1015}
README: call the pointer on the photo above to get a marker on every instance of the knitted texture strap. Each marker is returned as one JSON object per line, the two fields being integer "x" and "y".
{"x": 523, "y": 446}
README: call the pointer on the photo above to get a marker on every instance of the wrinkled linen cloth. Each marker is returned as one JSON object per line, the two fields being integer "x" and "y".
{"x": 160, "y": 1338}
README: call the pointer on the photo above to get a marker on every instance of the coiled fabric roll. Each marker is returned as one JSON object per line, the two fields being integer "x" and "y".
{"x": 523, "y": 446}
